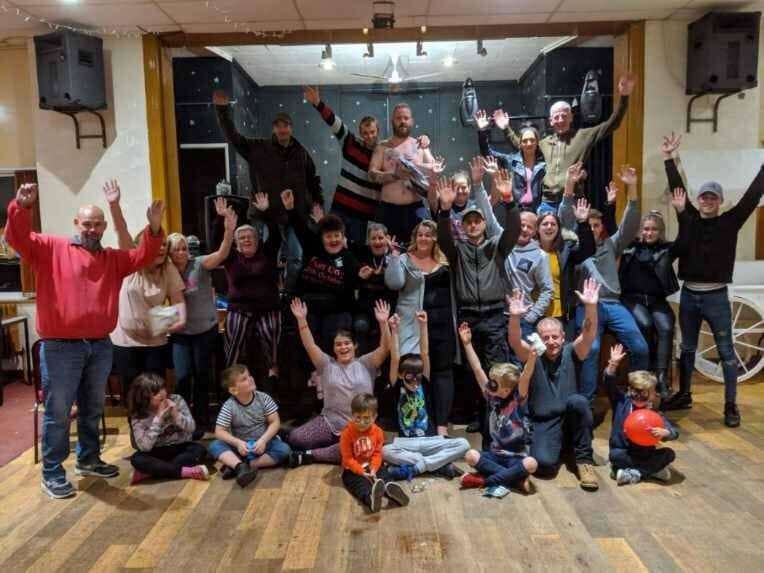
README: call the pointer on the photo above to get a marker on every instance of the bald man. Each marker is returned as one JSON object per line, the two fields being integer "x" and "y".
{"x": 78, "y": 284}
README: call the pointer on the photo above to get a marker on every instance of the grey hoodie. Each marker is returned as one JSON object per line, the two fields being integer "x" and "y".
{"x": 603, "y": 265}
{"x": 528, "y": 270}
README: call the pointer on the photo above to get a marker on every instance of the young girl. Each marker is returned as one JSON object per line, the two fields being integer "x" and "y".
{"x": 342, "y": 377}
{"x": 162, "y": 426}
{"x": 506, "y": 463}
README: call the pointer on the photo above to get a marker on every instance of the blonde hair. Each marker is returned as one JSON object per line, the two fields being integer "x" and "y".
{"x": 657, "y": 218}
{"x": 506, "y": 375}
{"x": 642, "y": 380}
{"x": 436, "y": 253}
{"x": 175, "y": 239}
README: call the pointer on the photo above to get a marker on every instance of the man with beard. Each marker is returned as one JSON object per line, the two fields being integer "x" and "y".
{"x": 77, "y": 297}
{"x": 400, "y": 207}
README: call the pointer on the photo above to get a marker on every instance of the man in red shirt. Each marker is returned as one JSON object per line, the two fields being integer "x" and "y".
{"x": 78, "y": 284}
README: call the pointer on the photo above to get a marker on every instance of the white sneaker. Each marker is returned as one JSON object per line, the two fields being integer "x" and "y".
{"x": 663, "y": 475}
{"x": 628, "y": 476}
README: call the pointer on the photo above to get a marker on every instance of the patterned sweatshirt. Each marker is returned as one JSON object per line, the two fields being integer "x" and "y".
{"x": 154, "y": 432}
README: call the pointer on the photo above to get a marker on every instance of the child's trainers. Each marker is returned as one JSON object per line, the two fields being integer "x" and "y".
{"x": 663, "y": 475}
{"x": 497, "y": 491}
{"x": 627, "y": 476}
{"x": 469, "y": 481}
{"x": 448, "y": 471}
{"x": 400, "y": 473}
{"x": 199, "y": 472}
{"x": 395, "y": 493}
{"x": 138, "y": 476}
{"x": 299, "y": 458}
{"x": 245, "y": 474}
{"x": 375, "y": 495}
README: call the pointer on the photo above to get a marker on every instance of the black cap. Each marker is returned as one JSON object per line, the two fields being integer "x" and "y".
{"x": 282, "y": 116}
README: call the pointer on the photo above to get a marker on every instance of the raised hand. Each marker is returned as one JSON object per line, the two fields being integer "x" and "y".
{"x": 221, "y": 206}
{"x": 490, "y": 164}
{"x": 477, "y": 169}
{"x": 679, "y": 199}
{"x": 502, "y": 181}
{"x": 591, "y": 294}
{"x": 617, "y": 353}
{"x": 446, "y": 193}
{"x": 439, "y": 165}
{"x": 626, "y": 84}
{"x": 423, "y": 142}
{"x": 465, "y": 334}
{"x": 261, "y": 202}
{"x": 501, "y": 119}
{"x": 517, "y": 305}
{"x": 392, "y": 245}
{"x": 111, "y": 192}
{"x": 311, "y": 95}
{"x": 26, "y": 195}
{"x": 394, "y": 321}
{"x": 299, "y": 309}
{"x": 382, "y": 311}
{"x": 576, "y": 172}
{"x": 317, "y": 213}
{"x": 670, "y": 144}
{"x": 482, "y": 121}
{"x": 219, "y": 97}
{"x": 287, "y": 199}
{"x": 365, "y": 272}
{"x": 628, "y": 175}
{"x": 581, "y": 210}
{"x": 230, "y": 219}
{"x": 612, "y": 192}
{"x": 154, "y": 215}
{"x": 421, "y": 317}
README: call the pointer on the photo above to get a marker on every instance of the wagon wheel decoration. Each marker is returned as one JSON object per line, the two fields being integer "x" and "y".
{"x": 747, "y": 341}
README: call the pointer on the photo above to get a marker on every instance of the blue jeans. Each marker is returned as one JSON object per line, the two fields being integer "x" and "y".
{"x": 72, "y": 370}
{"x": 611, "y": 315}
{"x": 573, "y": 427}
{"x": 291, "y": 250}
{"x": 714, "y": 308}
{"x": 277, "y": 449}
{"x": 501, "y": 470}
{"x": 193, "y": 369}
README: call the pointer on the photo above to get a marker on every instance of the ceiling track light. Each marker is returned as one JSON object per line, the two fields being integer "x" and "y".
{"x": 480, "y": 49}
{"x": 369, "y": 50}
{"x": 420, "y": 48}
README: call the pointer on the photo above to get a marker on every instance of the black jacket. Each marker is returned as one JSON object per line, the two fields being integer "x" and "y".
{"x": 663, "y": 256}
{"x": 570, "y": 254}
{"x": 273, "y": 168}
{"x": 707, "y": 247}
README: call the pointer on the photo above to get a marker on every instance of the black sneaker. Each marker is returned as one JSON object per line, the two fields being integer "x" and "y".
{"x": 299, "y": 458}
{"x": 473, "y": 427}
{"x": 227, "y": 473}
{"x": 375, "y": 496}
{"x": 448, "y": 471}
{"x": 245, "y": 474}
{"x": 58, "y": 488}
{"x": 731, "y": 415}
{"x": 679, "y": 401}
{"x": 99, "y": 468}
{"x": 395, "y": 493}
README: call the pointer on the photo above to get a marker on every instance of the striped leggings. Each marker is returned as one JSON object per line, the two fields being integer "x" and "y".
{"x": 243, "y": 330}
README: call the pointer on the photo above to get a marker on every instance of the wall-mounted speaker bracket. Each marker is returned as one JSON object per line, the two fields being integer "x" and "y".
{"x": 714, "y": 119}
{"x": 78, "y": 136}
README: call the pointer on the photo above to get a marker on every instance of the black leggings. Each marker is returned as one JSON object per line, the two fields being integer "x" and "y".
{"x": 656, "y": 314}
{"x": 360, "y": 486}
{"x": 648, "y": 461}
{"x": 167, "y": 461}
{"x": 442, "y": 389}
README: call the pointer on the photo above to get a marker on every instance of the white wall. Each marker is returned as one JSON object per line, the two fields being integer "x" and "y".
{"x": 70, "y": 177}
{"x": 731, "y": 156}
{"x": 17, "y": 145}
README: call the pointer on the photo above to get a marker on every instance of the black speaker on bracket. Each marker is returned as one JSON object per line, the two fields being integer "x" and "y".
{"x": 70, "y": 71}
{"x": 723, "y": 52}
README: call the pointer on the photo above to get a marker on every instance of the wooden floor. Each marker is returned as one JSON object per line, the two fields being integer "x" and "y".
{"x": 710, "y": 518}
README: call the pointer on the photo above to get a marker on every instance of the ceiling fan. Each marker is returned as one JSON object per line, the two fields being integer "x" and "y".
{"x": 395, "y": 73}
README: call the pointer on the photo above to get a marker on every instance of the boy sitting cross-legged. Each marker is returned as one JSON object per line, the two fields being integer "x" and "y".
{"x": 630, "y": 463}
{"x": 418, "y": 449}
{"x": 506, "y": 463}
{"x": 361, "y": 447}
{"x": 246, "y": 429}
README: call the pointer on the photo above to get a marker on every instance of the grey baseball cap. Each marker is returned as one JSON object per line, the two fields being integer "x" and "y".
{"x": 711, "y": 187}
{"x": 282, "y": 116}
{"x": 470, "y": 210}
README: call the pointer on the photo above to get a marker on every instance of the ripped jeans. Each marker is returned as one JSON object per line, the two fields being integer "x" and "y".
{"x": 714, "y": 308}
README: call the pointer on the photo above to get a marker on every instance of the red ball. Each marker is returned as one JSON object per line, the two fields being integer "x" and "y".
{"x": 637, "y": 426}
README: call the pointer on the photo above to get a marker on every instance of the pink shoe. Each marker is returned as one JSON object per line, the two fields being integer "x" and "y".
{"x": 199, "y": 472}
{"x": 138, "y": 477}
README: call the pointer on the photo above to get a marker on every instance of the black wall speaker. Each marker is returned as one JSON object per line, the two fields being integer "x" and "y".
{"x": 723, "y": 52}
{"x": 70, "y": 71}
{"x": 214, "y": 224}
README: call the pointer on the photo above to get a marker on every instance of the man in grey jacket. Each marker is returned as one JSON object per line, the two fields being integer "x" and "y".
{"x": 603, "y": 267}
{"x": 528, "y": 269}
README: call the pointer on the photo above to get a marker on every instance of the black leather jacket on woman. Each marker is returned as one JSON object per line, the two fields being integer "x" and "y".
{"x": 648, "y": 270}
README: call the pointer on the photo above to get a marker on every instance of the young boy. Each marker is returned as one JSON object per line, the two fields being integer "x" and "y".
{"x": 246, "y": 429}
{"x": 361, "y": 447}
{"x": 418, "y": 449}
{"x": 507, "y": 462}
{"x": 631, "y": 463}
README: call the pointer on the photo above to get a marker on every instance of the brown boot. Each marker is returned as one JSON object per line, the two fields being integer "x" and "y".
{"x": 587, "y": 477}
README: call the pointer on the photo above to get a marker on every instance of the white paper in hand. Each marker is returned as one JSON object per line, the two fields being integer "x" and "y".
{"x": 161, "y": 318}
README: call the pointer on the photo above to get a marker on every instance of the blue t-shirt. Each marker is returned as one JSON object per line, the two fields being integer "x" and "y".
{"x": 507, "y": 426}
{"x": 413, "y": 420}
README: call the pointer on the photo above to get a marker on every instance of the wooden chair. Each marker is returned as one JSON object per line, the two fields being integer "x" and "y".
{"x": 39, "y": 401}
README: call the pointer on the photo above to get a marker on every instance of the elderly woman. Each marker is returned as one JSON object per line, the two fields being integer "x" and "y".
{"x": 422, "y": 278}
{"x": 647, "y": 277}
{"x": 192, "y": 345}
{"x": 253, "y": 322}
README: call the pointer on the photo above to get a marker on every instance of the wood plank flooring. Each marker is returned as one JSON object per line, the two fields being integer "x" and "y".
{"x": 710, "y": 517}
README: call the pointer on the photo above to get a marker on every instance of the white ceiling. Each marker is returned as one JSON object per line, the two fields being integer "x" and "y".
{"x": 289, "y": 65}
{"x": 235, "y": 15}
